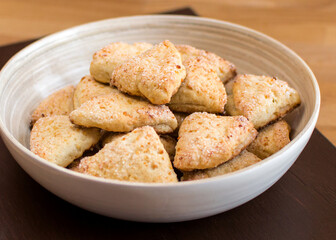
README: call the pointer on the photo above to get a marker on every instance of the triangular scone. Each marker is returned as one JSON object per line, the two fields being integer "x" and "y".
{"x": 138, "y": 156}
{"x": 58, "y": 103}
{"x": 201, "y": 90}
{"x": 88, "y": 88}
{"x": 243, "y": 160}
{"x": 105, "y": 60}
{"x": 271, "y": 139}
{"x": 155, "y": 74}
{"x": 224, "y": 68}
{"x": 167, "y": 141}
{"x": 118, "y": 112}
{"x": 261, "y": 99}
{"x": 59, "y": 141}
{"x": 207, "y": 140}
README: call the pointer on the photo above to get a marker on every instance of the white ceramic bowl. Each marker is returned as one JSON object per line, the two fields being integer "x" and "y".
{"x": 63, "y": 58}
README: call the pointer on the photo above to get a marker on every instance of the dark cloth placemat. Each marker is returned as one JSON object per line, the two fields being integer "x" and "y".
{"x": 301, "y": 205}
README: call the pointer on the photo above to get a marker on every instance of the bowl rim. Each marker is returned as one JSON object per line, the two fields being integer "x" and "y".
{"x": 307, "y": 129}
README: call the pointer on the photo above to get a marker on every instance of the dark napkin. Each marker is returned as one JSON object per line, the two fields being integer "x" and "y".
{"x": 301, "y": 205}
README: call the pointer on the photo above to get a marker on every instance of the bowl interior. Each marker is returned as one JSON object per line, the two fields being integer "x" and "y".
{"x": 63, "y": 58}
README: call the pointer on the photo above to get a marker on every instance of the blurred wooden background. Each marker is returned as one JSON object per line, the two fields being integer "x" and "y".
{"x": 306, "y": 26}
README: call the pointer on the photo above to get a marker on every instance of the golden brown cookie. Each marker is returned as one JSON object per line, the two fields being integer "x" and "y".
{"x": 88, "y": 88}
{"x": 270, "y": 139}
{"x": 168, "y": 142}
{"x": 201, "y": 90}
{"x": 108, "y": 58}
{"x": 155, "y": 74}
{"x": 261, "y": 99}
{"x": 207, "y": 140}
{"x": 224, "y": 68}
{"x": 58, "y": 103}
{"x": 243, "y": 160}
{"x": 59, "y": 141}
{"x": 118, "y": 112}
{"x": 138, "y": 156}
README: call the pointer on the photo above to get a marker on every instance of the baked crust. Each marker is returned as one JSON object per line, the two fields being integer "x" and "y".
{"x": 261, "y": 99}
{"x": 58, "y": 103}
{"x": 168, "y": 142}
{"x": 108, "y": 58}
{"x": 207, "y": 140}
{"x": 118, "y": 112}
{"x": 138, "y": 156}
{"x": 155, "y": 74}
{"x": 225, "y": 69}
{"x": 88, "y": 88}
{"x": 243, "y": 160}
{"x": 202, "y": 90}
{"x": 59, "y": 141}
{"x": 270, "y": 139}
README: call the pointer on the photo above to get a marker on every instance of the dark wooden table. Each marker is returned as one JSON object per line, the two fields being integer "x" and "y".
{"x": 301, "y": 205}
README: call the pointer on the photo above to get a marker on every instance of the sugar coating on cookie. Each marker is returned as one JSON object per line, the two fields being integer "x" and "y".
{"x": 138, "y": 156}
{"x": 108, "y": 58}
{"x": 59, "y": 141}
{"x": 202, "y": 90}
{"x": 89, "y": 88}
{"x": 168, "y": 142}
{"x": 118, "y": 112}
{"x": 261, "y": 99}
{"x": 243, "y": 160}
{"x": 208, "y": 140}
{"x": 225, "y": 69}
{"x": 271, "y": 139}
{"x": 155, "y": 74}
{"x": 58, "y": 103}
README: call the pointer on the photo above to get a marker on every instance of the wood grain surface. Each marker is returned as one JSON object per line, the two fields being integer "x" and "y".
{"x": 308, "y": 27}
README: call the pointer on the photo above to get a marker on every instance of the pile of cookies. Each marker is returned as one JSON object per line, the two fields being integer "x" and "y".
{"x": 152, "y": 113}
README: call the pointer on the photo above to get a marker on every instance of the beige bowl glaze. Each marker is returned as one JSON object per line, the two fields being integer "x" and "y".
{"x": 63, "y": 58}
